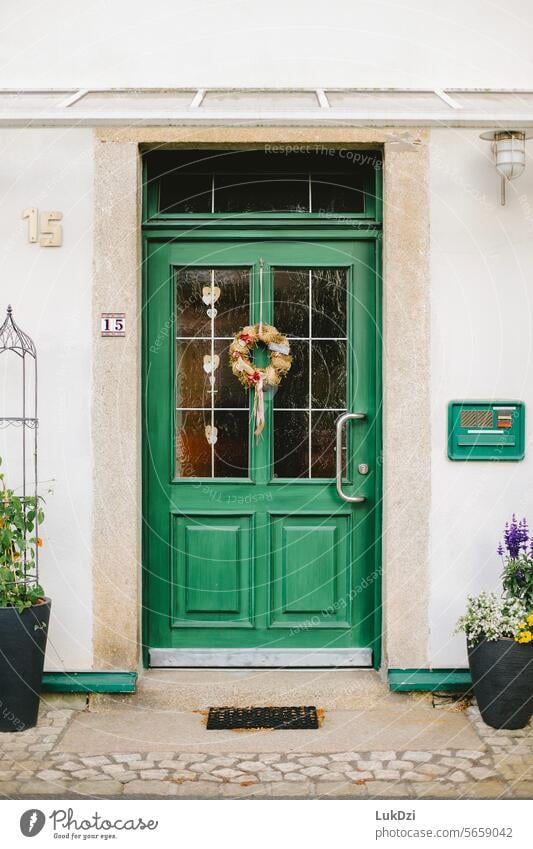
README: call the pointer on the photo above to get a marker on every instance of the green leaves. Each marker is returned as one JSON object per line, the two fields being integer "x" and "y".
{"x": 18, "y": 542}
{"x": 517, "y": 579}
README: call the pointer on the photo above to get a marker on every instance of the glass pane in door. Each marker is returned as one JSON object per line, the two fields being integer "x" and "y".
{"x": 312, "y": 302}
{"x": 211, "y": 406}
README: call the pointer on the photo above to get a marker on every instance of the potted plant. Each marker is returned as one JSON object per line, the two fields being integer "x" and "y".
{"x": 24, "y": 610}
{"x": 499, "y": 633}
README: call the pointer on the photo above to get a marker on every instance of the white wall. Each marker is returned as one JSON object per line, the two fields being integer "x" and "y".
{"x": 482, "y": 316}
{"x": 50, "y": 290}
{"x": 256, "y": 43}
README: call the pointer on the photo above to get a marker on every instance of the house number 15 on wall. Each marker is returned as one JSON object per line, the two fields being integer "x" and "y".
{"x": 44, "y": 227}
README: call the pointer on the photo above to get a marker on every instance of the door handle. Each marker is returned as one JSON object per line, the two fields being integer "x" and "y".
{"x": 352, "y": 499}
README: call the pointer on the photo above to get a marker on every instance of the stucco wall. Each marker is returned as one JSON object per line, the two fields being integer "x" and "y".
{"x": 482, "y": 314}
{"x": 50, "y": 290}
{"x": 423, "y": 43}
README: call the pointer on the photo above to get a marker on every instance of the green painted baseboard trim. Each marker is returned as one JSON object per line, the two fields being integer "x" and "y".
{"x": 429, "y": 680}
{"x": 89, "y": 682}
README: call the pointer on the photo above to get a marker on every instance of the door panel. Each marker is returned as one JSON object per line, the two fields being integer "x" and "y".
{"x": 248, "y": 547}
{"x": 212, "y": 571}
{"x": 310, "y": 571}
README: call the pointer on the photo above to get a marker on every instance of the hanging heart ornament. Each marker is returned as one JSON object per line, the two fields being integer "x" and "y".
{"x": 211, "y": 434}
{"x": 210, "y": 295}
{"x": 211, "y": 363}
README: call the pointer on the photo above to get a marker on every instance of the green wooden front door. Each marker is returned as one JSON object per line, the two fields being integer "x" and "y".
{"x": 251, "y": 557}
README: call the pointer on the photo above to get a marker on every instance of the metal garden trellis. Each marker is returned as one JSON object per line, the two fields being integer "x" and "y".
{"x": 13, "y": 339}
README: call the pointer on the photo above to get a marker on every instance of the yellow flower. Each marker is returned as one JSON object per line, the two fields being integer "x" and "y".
{"x": 530, "y": 619}
{"x": 525, "y": 637}
{"x": 522, "y": 624}
{"x": 40, "y": 544}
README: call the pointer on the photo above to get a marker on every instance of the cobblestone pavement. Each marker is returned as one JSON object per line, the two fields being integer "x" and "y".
{"x": 502, "y": 767}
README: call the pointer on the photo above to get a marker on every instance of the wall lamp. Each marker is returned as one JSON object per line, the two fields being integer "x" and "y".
{"x": 509, "y": 153}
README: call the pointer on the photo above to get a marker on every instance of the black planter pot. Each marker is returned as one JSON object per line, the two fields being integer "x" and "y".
{"x": 502, "y": 675}
{"x": 22, "y": 648}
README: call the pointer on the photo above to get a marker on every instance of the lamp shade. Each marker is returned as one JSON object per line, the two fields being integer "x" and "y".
{"x": 510, "y": 154}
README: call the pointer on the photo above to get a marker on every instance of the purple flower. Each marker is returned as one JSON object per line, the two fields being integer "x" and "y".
{"x": 500, "y": 549}
{"x": 516, "y": 537}
{"x": 519, "y": 575}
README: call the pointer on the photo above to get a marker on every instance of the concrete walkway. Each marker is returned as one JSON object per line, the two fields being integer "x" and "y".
{"x": 402, "y": 748}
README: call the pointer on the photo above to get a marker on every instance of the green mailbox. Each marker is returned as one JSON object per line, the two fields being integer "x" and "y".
{"x": 486, "y": 430}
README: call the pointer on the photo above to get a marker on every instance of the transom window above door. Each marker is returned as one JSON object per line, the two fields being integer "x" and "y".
{"x": 320, "y": 181}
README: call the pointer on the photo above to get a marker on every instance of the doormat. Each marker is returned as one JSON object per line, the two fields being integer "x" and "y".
{"x": 262, "y": 717}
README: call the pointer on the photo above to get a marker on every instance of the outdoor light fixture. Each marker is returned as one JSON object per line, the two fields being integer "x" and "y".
{"x": 509, "y": 152}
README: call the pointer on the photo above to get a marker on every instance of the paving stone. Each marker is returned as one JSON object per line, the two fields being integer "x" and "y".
{"x": 251, "y": 766}
{"x": 269, "y": 775}
{"x": 7, "y": 774}
{"x": 126, "y": 757}
{"x": 457, "y": 776}
{"x": 270, "y": 758}
{"x": 51, "y": 775}
{"x": 387, "y": 774}
{"x": 369, "y": 765}
{"x": 85, "y": 773}
{"x": 360, "y": 776}
{"x": 250, "y": 791}
{"x": 489, "y": 789}
{"x": 481, "y": 772}
{"x": 115, "y": 770}
{"x": 198, "y": 790}
{"x": 470, "y": 754}
{"x": 201, "y": 767}
{"x": 181, "y": 775}
{"x": 177, "y": 764}
{"x": 104, "y": 788}
{"x": 382, "y": 756}
{"x": 150, "y": 788}
{"x": 418, "y": 757}
{"x": 456, "y": 763}
{"x": 142, "y": 766}
{"x": 415, "y": 776}
{"x": 228, "y": 773}
{"x": 313, "y": 771}
{"x": 295, "y": 776}
{"x": 68, "y": 766}
{"x": 398, "y": 790}
{"x": 152, "y": 774}
{"x": 433, "y": 769}
{"x": 291, "y": 789}
{"x": 287, "y": 767}
{"x": 435, "y": 790}
{"x": 340, "y": 767}
{"x": 522, "y": 790}
{"x": 94, "y": 760}
{"x": 222, "y": 761}
{"x": 339, "y": 790}
{"x": 33, "y": 789}
{"x": 316, "y": 760}
{"x": 400, "y": 765}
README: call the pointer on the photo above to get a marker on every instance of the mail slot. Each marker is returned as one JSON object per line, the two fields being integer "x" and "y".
{"x": 486, "y": 430}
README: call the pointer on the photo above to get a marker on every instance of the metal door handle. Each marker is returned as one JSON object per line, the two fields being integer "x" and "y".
{"x": 352, "y": 499}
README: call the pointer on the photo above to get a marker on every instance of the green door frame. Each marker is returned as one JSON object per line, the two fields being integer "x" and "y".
{"x": 157, "y": 230}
